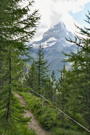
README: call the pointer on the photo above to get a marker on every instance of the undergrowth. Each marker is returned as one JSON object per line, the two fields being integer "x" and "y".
{"x": 49, "y": 118}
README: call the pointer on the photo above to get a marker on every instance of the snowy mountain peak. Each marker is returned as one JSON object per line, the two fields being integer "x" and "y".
{"x": 54, "y": 44}
{"x": 54, "y": 35}
{"x": 55, "y": 31}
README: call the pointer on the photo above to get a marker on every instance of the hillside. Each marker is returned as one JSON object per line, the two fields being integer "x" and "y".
{"x": 47, "y": 116}
{"x": 33, "y": 124}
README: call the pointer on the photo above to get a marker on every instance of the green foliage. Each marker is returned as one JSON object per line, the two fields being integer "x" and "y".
{"x": 59, "y": 131}
{"x": 48, "y": 116}
{"x": 31, "y": 77}
{"x": 38, "y": 75}
{"x": 18, "y": 130}
{"x": 74, "y": 85}
{"x": 25, "y": 131}
{"x": 17, "y": 26}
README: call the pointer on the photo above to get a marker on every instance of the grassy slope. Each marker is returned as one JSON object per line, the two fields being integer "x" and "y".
{"x": 48, "y": 116}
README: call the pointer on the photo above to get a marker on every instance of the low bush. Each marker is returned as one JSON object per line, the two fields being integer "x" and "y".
{"x": 48, "y": 117}
{"x": 59, "y": 131}
{"x": 19, "y": 129}
{"x": 26, "y": 131}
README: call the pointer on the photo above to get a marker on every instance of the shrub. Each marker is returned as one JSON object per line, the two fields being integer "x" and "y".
{"x": 19, "y": 129}
{"x": 48, "y": 117}
{"x": 59, "y": 131}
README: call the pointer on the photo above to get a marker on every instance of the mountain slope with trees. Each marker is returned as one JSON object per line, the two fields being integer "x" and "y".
{"x": 55, "y": 45}
{"x": 65, "y": 108}
{"x": 71, "y": 92}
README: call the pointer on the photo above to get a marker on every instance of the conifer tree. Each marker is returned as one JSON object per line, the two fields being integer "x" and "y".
{"x": 62, "y": 89}
{"x": 17, "y": 26}
{"x": 31, "y": 77}
{"x": 53, "y": 87}
{"x": 50, "y": 87}
{"x": 42, "y": 71}
{"x": 79, "y": 101}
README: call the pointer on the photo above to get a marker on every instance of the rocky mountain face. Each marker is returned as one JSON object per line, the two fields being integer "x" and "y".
{"x": 55, "y": 45}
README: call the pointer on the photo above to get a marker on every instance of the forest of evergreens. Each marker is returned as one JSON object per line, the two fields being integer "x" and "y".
{"x": 61, "y": 106}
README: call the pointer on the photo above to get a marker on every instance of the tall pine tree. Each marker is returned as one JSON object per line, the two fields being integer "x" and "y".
{"x": 17, "y": 26}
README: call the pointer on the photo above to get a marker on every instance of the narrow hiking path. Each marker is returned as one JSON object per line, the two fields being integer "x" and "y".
{"x": 34, "y": 123}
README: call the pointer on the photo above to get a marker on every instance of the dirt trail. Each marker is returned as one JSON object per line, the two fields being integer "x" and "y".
{"x": 34, "y": 123}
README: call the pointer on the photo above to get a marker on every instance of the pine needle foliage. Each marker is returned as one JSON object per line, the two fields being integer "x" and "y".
{"x": 17, "y": 26}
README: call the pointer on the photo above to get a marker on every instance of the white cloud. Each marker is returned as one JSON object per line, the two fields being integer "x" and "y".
{"x": 53, "y": 11}
{"x": 64, "y": 6}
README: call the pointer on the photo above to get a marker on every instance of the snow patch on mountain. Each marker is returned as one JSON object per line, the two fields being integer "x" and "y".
{"x": 55, "y": 45}
{"x": 51, "y": 39}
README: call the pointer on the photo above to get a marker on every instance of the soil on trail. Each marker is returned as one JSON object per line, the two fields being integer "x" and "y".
{"x": 33, "y": 124}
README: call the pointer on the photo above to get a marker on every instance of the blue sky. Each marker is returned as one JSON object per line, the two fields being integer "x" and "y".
{"x": 81, "y": 16}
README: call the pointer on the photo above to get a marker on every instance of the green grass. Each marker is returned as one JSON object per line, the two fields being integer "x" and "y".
{"x": 48, "y": 116}
{"x": 17, "y": 130}
{"x": 60, "y": 131}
